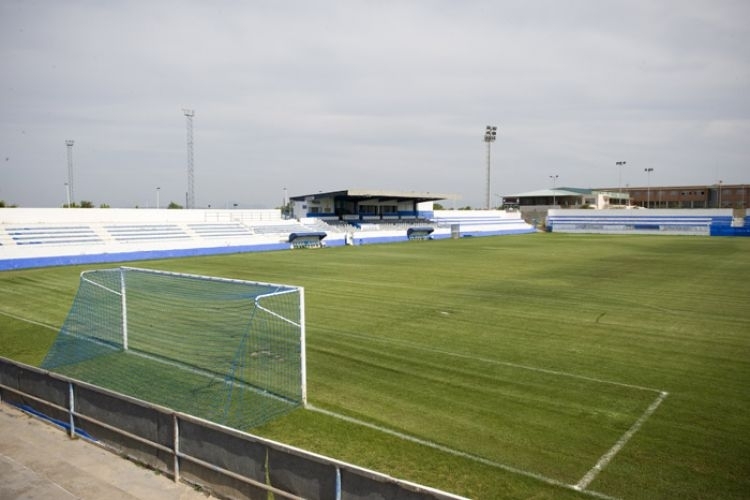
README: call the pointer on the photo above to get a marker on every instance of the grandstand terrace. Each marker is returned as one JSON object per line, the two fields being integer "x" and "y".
{"x": 36, "y": 237}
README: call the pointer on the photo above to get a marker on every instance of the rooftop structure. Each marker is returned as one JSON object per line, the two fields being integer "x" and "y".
{"x": 366, "y": 204}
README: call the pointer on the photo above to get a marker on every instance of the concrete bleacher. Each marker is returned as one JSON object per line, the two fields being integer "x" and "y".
{"x": 482, "y": 222}
{"x": 286, "y": 227}
{"x": 220, "y": 230}
{"x": 52, "y": 235}
{"x": 692, "y": 222}
{"x": 140, "y": 232}
{"x": 45, "y": 237}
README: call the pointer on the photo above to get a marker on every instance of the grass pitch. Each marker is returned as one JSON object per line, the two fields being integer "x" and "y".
{"x": 501, "y": 367}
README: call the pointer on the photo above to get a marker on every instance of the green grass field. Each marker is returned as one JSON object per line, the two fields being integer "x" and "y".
{"x": 501, "y": 367}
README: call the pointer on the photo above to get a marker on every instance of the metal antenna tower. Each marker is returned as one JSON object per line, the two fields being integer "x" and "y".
{"x": 189, "y": 114}
{"x": 71, "y": 192}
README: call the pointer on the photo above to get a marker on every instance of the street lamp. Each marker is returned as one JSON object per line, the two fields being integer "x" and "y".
{"x": 490, "y": 134}
{"x": 619, "y": 183}
{"x": 648, "y": 186}
{"x": 157, "y": 197}
{"x": 554, "y": 193}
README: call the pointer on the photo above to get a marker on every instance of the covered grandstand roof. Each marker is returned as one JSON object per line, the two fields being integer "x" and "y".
{"x": 369, "y": 194}
{"x": 563, "y": 191}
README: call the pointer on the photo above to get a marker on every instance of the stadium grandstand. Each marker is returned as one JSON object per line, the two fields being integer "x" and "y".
{"x": 36, "y": 237}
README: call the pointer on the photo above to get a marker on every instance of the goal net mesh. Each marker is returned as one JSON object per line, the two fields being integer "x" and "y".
{"x": 228, "y": 351}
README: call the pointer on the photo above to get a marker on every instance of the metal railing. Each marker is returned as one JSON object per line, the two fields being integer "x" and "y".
{"x": 224, "y": 462}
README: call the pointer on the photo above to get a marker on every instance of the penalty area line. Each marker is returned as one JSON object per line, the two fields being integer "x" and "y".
{"x": 607, "y": 457}
{"x": 458, "y": 453}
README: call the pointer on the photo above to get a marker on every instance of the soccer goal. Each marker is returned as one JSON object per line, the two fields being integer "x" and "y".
{"x": 228, "y": 351}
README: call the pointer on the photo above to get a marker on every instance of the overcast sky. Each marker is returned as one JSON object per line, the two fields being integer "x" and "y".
{"x": 390, "y": 95}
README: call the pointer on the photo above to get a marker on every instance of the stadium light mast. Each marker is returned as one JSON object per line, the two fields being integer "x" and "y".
{"x": 190, "y": 197}
{"x": 554, "y": 193}
{"x": 71, "y": 193}
{"x": 648, "y": 186}
{"x": 490, "y": 134}
{"x": 620, "y": 164}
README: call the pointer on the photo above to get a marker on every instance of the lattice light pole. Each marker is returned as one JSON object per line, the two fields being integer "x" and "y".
{"x": 71, "y": 192}
{"x": 490, "y": 134}
{"x": 190, "y": 201}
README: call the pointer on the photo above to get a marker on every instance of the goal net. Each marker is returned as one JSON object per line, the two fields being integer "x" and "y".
{"x": 228, "y": 351}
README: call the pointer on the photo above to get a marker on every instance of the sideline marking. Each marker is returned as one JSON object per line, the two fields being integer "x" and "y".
{"x": 26, "y": 320}
{"x": 458, "y": 453}
{"x": 583, "y": 483}
{"x": 607, "y": 457}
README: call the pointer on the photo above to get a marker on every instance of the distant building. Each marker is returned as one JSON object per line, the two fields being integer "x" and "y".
{"x": 712, "y": 196}
{"x": 566, "y": 197}
{"x": 708, "y": 196}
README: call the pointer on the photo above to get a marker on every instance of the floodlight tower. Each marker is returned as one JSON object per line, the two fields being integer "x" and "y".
{"x": 189, "y": 114}
{"x": 71, "y": 192}
{"x": 620, "y": 164}
{"x": 554, "y": 189}
{"x": 648, "y": 171}
{"x": 490, "y": 134}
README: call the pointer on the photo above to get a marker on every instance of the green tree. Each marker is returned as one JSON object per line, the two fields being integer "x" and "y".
{"x": 174, "y": 205}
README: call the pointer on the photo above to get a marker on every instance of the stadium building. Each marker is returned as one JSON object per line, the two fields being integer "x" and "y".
{"x": 35, "y": 237}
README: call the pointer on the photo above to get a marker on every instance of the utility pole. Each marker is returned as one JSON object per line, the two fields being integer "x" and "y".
{"x": 490, "y": 134}
{"x": 71, "y": 197}
{"x": 190, "y": 201}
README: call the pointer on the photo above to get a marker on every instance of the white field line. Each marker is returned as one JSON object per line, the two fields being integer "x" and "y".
{"x": 458, "y": 453}
{"x": 607, "y": 457}
{"x": 580, "y": 486}
{"x": 501, "y": 363}
{"x": 26, "y": 320}
{"x": 586, "y": 479}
